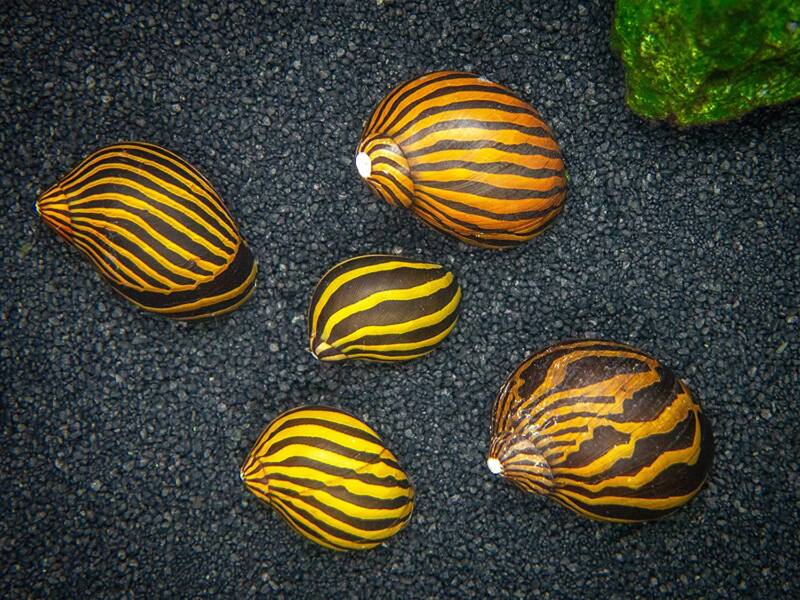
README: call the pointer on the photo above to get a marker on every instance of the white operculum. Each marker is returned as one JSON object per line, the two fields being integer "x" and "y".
{"x": 494, "y": 465}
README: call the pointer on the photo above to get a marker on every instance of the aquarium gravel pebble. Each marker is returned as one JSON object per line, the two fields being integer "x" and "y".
{"x": 123, "y": 432}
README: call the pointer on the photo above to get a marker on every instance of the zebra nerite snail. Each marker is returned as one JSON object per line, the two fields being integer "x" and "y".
{"x": 330, "y": 477}
{"x": 603, "y": 429}
{"x": 466, "y": 156}
{"x": 155, "y": 229}
{"x": 382, "y": 308}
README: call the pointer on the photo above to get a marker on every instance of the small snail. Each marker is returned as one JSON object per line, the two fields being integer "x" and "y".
{"x": 465, "y": 155}
{"x": 155, "y": 229}
{"x": 603, "y": 429}
{"x": 383, "y": 308}
{"x": 330, "y": 476}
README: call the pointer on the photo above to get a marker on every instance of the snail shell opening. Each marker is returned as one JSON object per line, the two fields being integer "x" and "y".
{"x": 494, "y": 466}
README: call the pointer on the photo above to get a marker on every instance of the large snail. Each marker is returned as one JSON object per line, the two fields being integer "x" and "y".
{"x": 383, "y": 308}
{"x": 603, "y": 429}
{"x": 155, "y": 229}
{"x": 465, "y": 155}
{"x": 330, "y": 476}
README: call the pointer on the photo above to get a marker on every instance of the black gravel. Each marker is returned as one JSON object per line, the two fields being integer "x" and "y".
{"x": 122, "y": 433}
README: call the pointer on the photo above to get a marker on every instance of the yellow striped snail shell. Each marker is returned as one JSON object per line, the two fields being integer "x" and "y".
{"x": 330, "y": 477}
{"x": 466, "y": 156}
{"x": 381, "y": 308}
{"x": 155, "y": 229}
{"x": 603, "y": 429}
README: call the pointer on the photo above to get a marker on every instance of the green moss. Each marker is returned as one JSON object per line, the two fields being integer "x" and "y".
{"x": 702, "y": 61}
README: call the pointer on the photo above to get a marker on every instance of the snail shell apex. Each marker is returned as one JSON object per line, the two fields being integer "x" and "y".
{"x": 603, "y": 429}
{"x": 155, "y": 229}
{"x": 388, "y": 172}
{"x": 466, "y": 156}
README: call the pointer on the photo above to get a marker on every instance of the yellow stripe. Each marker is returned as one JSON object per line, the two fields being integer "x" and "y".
{"x": 324, "y": 496}
{"x": 620, "y": 387}
{"x": 318, "y": 536}
{"x": 486, "y": 156}
{"x": 400, "y": 347}
{"x": 148, "y": 207}
{"x": 191, "y": 212}
{"x": 207, "y": 301}
{"x": 93, "y": 164}
{"x": 225, "y": 310}
{"x": 505, "y": 181}
{"x": 143, "y": 286}
{"x": 323, "y": 537}
{"x": 371, "y": 301}
{"x": 644, "y": 503}
{"x": 688, "y": 456}
{"x": 672, "y": 415}
{"x": 348, "y": 276}
{"x": 474, "y": 237}
{"x": 574, "y": 507}
{"x": 425, "y": 85}
{"x": 453, "y": 112}
{"x": 473, "y": 134}
{"x": 373, "y": 535}
{"x": 259, "y": 490}
{"x": 405, "y": 327}
{"x": 541, "y": 397}
{"x": 317, "y": 453}
{"x": 323, "y": 347}
{"x": 323, "y": 414}
{"x": 352, "y": 485}
{"x": 262, "y": 467}
{"x": 327, "y": 434}
{"x": 101, "y": 226}
{"x": 382, "y": 357}
{"x": 124, "y": 215}
{"x": 88, "y": 248}
{"x": 201, "y": 186}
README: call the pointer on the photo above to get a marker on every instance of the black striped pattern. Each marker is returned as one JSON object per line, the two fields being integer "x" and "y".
{"x": 466, "y": 156}
{"x": 155, "y": 229}
{"x": 330, "y": 476}
{"x": 603, "y": 429}
{"x": 382, "y": 308}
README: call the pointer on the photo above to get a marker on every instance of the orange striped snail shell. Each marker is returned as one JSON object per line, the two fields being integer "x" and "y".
{"x": 603, "y": 429}
{"x": 155, "y": 229}
{"x": 331, "y": 477}
{"x": 466, "y": 156}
